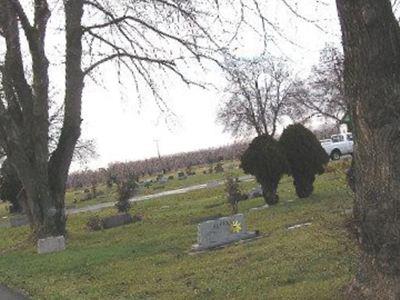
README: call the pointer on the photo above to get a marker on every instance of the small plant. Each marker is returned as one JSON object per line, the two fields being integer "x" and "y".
{"x": 234, "y": 193}
{"x": 110, "y": 179}
{"x": 219, "y": 168}
{"x": 93, "y": 189}
{"x": 94, "y": 223}
{"x": 266, "y": 161}
{"x": 126, "y": 190}
{"x": 189, "y": 171}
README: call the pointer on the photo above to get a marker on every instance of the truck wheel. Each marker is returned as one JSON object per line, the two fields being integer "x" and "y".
{"x": 336, "y": 154}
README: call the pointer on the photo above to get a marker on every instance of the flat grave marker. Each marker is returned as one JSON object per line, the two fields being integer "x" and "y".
{"x": 116, "y": 221}
{"x": 51, "y": 244}
{"x": 212, "y": 184}
{"x": 18, "y": 221}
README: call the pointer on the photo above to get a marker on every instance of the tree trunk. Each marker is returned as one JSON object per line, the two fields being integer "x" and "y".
{"x": 46, "y": 209}
{"x": 371, "y": 41}
{"x": 304, "y": 185}
{"x": 24, "y": 122}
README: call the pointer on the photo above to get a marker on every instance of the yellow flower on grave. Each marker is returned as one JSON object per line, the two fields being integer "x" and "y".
{"x": 236, "y": 227}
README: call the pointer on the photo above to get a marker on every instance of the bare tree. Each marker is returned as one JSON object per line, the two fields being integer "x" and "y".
{"x": 325, "y": 130}
{"x": 261, "y": 92}
{"x": 325, "y": 92}
{"x": 142, "y": 37}
{"x": 371, "y": 40}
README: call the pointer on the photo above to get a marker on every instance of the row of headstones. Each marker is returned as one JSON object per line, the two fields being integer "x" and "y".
{"x": 211, "y": 234}
{"x": 56, "y": 244}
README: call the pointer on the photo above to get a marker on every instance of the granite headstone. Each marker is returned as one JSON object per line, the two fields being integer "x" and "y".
{"x": 51, "y": 244}
{"x": 222, "y": 231}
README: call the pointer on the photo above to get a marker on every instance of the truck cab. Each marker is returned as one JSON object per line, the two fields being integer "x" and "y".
{"x": 338, "y": 145}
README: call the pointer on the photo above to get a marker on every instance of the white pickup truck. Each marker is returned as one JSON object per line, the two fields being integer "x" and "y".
{"x": 338, "y": 145}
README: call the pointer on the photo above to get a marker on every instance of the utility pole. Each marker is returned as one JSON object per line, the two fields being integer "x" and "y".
{"x": 158, "y": 153}
{"x": 158, "y": 148}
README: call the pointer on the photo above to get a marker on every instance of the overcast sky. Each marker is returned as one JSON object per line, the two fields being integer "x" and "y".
{"x": 126, "y": 129}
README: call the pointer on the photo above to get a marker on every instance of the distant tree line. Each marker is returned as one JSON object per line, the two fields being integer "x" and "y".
{"x": 152, "y": 166}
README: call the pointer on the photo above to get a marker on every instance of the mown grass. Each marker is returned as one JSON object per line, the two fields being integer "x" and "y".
{"x": 151, "y": 260}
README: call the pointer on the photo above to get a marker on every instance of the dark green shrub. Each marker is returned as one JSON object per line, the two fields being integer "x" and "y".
{"x": 267, "y": 162}
{"x": 10, "y": 186}
{"x": 94, "y": 223}
{"x": 305, "y": 156}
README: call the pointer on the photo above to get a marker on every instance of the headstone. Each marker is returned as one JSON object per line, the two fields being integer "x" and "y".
{"x": 18, "y": 221}
{"x": 212, "y": 184}
{"x": 51, "y": 244}
{"x": 181, "y": 176}
{"x": 348, "y": 211}
{"x": 259, "y": 208}
{"x": 163, "y": 180}
{"x": 118, "y": 220}
{"x": 255, "y": 193}
{"x": 299, "y": 226}
{"x": 219, "y": 232}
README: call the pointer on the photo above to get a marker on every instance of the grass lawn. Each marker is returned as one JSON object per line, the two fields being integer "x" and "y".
{"x": 150, "y": 259}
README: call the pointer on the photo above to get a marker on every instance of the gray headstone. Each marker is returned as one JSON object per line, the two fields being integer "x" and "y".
{"x": 163, "y": 180}
{"x": 222, "y": 231}
{"x": 256, "y": 192}
{"x": 18, "y": 221}
{"x": 212, "y": 184}
{"x": 118, "y": 220}
{"x": 259, "y": 208}
{"x": 51, "y": 244}
{"x": 299, "y": 226}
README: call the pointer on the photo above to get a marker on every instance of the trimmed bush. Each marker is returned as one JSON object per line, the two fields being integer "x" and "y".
{"x": 267, "y": 162}
{"x": 305, "y": 156}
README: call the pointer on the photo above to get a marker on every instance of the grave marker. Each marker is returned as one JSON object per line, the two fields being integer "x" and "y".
{"x": 51, "y": 244}
{"x": 219, "y": 232}
{"x": 18, "y": 221}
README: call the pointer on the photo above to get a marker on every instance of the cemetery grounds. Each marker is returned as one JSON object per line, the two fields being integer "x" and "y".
{"x": 152, "y": 260}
